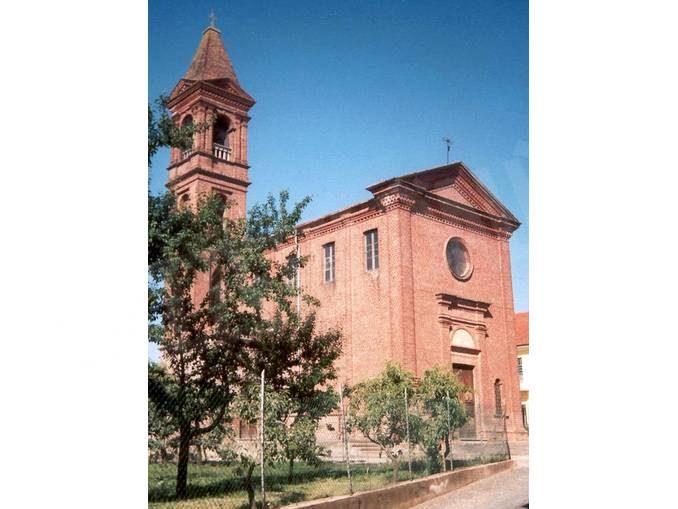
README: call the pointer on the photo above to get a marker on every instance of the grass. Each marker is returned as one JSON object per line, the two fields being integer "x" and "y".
{"x": 218, "y": 485}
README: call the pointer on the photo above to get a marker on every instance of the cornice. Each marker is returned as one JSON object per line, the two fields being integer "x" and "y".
{"x": 312, "y": 232}
{"x": 396, "y": 198}
{"x": 457, "y": 302}
{"x": 206, "y": 154}
{"x": 454, "y": 320}
{"x": 463, "y": 349}
{"x": 466, "y": 183}
{"x": 205, "y": 89}
{"x": 458, "y": 222}
{"x": 201, "y": 171}
{"x": 407, "y": 196}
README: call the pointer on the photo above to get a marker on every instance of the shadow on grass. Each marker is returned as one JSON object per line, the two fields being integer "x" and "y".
{"x": 215, "y": 479}
{"x": 219, "y": 479}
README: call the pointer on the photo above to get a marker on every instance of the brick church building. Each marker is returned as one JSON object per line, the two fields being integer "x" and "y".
{"x": 420, "y": 273}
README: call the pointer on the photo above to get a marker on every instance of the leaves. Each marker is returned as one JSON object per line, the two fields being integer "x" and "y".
{"x": 377, "y": 409}
{"x": 163, "y": 130}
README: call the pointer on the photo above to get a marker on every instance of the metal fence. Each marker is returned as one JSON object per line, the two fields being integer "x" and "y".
{"x": 262, "y": 462}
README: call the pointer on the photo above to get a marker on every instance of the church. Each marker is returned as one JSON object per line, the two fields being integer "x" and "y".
{"x": 419, "y": 274}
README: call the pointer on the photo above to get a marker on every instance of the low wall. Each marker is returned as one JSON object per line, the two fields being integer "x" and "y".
{"x": 406, "y": 494}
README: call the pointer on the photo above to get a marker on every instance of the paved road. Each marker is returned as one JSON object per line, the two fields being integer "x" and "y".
{"x": 505, "y": 490}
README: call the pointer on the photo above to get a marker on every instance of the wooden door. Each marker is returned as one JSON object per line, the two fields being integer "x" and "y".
{"x": 464, "y": 374}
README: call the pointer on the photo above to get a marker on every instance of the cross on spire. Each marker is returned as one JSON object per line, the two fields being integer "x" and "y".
{"x": 213, "y": 18}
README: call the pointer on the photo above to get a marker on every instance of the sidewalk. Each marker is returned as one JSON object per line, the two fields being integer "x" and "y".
{"x": 506, "y": 490}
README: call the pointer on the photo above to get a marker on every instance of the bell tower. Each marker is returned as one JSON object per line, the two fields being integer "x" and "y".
{"x": 210, "y": 95}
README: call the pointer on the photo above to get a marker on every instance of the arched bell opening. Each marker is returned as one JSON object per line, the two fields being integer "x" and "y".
{"x": 220, "y": 146}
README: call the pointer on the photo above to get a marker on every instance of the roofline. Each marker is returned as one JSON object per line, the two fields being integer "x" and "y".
{"x": 512, "y": 221}
{"x": 415, "y": 173}
{"x": 453, "y": 164}
{"x": 333, "y": 215}
{"x": 208, "y": 85}
{"x": 401, "y": 180}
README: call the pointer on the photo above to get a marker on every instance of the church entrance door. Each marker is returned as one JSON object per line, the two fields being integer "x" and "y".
{"x": 464, "y": 374}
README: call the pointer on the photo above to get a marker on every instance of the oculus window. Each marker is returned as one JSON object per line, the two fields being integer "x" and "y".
{"x": 458, "y": 259}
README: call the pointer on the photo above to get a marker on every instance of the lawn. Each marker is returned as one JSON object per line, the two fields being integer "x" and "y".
{"x": 217, "y": 485}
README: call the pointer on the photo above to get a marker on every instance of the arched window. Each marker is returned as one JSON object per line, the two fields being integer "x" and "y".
{"x": 186, "y": 122}
{"x": 222, "y": 127}
{"x": 462, "y": 337}
{"x": 223, "y": 202}
{"x": 499, "y": 410}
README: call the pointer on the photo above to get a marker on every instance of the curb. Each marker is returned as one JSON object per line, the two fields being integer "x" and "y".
{"x": 409, "y": 493}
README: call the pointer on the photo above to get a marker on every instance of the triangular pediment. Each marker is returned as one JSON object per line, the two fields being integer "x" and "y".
{"x": 453, "y": 183}
{"x": 457, "y": 183}
{"x": 180, "y": 87}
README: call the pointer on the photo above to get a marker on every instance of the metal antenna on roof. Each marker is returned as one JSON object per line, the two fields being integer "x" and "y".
{"x": 448, "y": 142}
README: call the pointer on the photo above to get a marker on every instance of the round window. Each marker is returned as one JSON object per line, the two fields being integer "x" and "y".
{"x": 458, "y": 259}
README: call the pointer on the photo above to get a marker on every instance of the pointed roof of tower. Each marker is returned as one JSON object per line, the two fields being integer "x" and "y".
{"x": 211, "y": 61}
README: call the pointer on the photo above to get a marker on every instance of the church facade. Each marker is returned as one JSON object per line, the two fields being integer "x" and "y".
{"x": 418, "y": 274}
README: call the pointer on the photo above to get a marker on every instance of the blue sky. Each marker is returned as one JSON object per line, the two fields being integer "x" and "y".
{"x": 353, "y": 92}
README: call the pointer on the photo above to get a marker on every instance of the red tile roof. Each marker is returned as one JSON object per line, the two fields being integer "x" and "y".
{"x": 211, "y": 61}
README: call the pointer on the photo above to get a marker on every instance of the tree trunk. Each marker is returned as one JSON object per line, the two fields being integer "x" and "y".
{"x": 248, "y": 486}
{"x": 395, "y": 470}
{"x": 182, "y": 462}
{"x": 290, "y": 469}
{"x": 202, "y": 455}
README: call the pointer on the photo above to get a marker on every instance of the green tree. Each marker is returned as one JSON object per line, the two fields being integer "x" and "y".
{"x": 162, "y": 436}
{"x": 441, "y": 415}
{"x": 377, "y": 410}
{"x": 300, "y": 366}
{"x": 163, "y": 131}
{"x": 205, "y": 340}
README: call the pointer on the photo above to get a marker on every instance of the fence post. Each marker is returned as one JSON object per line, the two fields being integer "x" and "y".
{"x": 449, "y": 433}
{"x": 261, "y": 454}
{"x": 503, "y": 418}
{"x": 345, "y": 437}
{"x": 407, "y": 425}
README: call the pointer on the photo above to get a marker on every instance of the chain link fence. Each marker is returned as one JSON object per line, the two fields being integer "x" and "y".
{"x": 271, "y": 459}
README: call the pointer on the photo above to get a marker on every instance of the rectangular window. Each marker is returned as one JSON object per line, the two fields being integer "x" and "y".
{"x": 329, "y": 262}
{"x": 520, "y": 367}
{"x": 372, "y": 250}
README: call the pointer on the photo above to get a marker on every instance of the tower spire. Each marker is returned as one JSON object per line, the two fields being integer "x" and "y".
{"x": 213, "y": 19}
{"x": 211, "y": 60}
